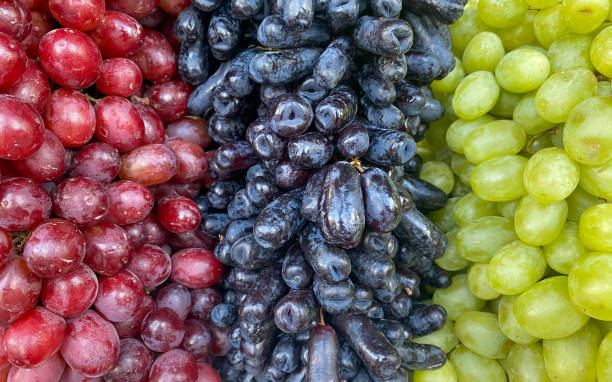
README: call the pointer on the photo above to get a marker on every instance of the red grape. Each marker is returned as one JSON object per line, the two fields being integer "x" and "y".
{"x": 34, "y": 338}
{"x": 32, "y": 87}
{"x": 154, "y": 232}
{"x": 72, "y": 376}
{"x": 153, "y": 19}
{"x": 169, "y": 99}
{"x": 151, "y": 264}
{"x": 134, "y": 362}
{"x": 162, "y": 329}
{"x": 195, "y": 268}
{"x": 197, "y": 338}
{"x": 191, "y": 128}
{"x": 135, "y": 8}
{"x": 118, "y": 35}
{"x": 188, "y": 190}
{"x": 50, "y": 371}
{"x": 81, "y": 200}
{"x": 19, "y": 289}
{"x": 135, "y": 232}
{"x": 4, "y": 363}
{"x": 203, "y": 301}
{"x": 41, "y": 25}
{"x": 108, "y": 248}
{"x": 118, "y": 123}
{"x": 6, "y": 245}
{"x": 167, "y": 28}
{"x": 119, "y": 296}
{"x": 192, "y": 161}
{"x": 99, "y": 161}
{"x": 70, "y": 116}
{"x": 178, "y": 214}
{"x": 131, "y": 327}
{"x": 153, "y": 125}
{"x": 78, "y": 14}
{"x": 207, "y": 373}
{"x": 70, "y": 294}
{"x": 155, "y": 57}
{"x": 21, "y": 127}
{"x": 13, "y": 60}
{"x": 24, "y": 204}
{"x": 176, "y": 297}
{"x": 47, "y": 164}
{"x": 15, "y": 19}
{"x": 91, "y": 345}
{"x": 149, "y": 165}
{"x": 53, "y": 248}
{"x": 129, "y": 202}
{"x": 174, "y": 7}
{"x": 119, "y": 77}
{"x": 193, "y": 239}
{"x": 220, "y": 344}
{"x": 70, "y": 58}
{"x": 176, "y": 365}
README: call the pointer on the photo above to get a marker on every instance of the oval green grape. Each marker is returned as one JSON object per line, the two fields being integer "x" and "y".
{"x": 481, "y": 238}
{"x": 499, "y": 179}
{"x": 516, "y": 267}
{"x": 550, "y": 175}
{"x": 522, "y": 70}
{"x": 475, "y": 95}
{"x": 494, "y": 139}
{"x": 537, "y": 223}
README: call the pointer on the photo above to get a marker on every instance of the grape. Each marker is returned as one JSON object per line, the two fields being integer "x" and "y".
{"x": 508, "y": 323}
{"x": 479, "y": 332}
{"x": 479, "y": 283}
{"x": 507, "y": 268}
{"x": 482, "y": 53}
{"x": 162, "y": 330}
{"x": 537, "y": 223}
{"x": 493, "y": 139}
{"x": 548, "y": 25}
{"x": 588, "y": 271}
{"x": 174, "y": 364}
{"x": 550, "y": 176}
{"x": 70, "y": 294}
{"x": 499, "y": 179}
{"x": 460, "y": 129}
{"x": 470, "y": 366}
{"x": 522, "y": 70}
{"x": 457, "y": 298}
{"x": 482, "y": 238}
{"x": 475, "y": 95}
{"x": 119, "y": 296}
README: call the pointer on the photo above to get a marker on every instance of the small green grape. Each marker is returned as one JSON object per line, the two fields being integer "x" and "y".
{"x": 460, "y": 188}
{"x": 584, "y": 16}
{"x": 550, "y": 175}
{"x": 438, "y": 174}
{"x": 450, "y": 260}
{"x": 479, "y": 332}
{"x": 507, "y": 209}
{"x": 461, "y": 128}
{"x": 470, "y": 207}
{"x": 545, "y": 310}
{"x": 522, "y": 70}
{"x": 525, "y": 363}
{"x": 597, "y": 180}
{"x": 471, "y": 367}
{"x": 457, "y": 298}
{"x": 505, "y": 104}
{"x": 444, "y": 155}
{"x": 604, "y": 359}
{"x": 527, "y": 117}
{"x": 481, "y": 238}
{"x": 570, "y": 51}
{"x": 538, "y": 142}
{"x": 494, "y": 139}
{"x": 449, "y": 83}
{"x": 516, "y": 267}
{"x": 443, "y": 217}
{"x": 444, "y": 374}
{"x": 509, "y": 325}
{"x": 590, "y": 285}
{"x": 479, "y": 282}
{"x": 519, "y": 35}
{"x": 563, "y": 252}
{"x": 501, "y": 13}
{"x": 537, "y": 223}
{"x": 475, "y": 95}
{"x": 462, "y": 168}
{"x": 540, "y": 4}
{"x": 601, "y": 52}
{"x": 587, "y": 136}
{"x": 425, "y": 150}
{"x": 444, "y": 338}
{"x": 603, "y": 89}
{"x": 548, "y": 25}
{"x": 464, "y": 29}
{"x": 595, "y": 228}
{"x": 436, "y": 133}
{"x": 483, "y": 52}
{"x": 578, "y": 202}
{"x": 499, "y": 179}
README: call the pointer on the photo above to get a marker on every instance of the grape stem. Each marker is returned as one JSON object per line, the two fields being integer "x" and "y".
{"x": 357, "y": 164}
{"x": 321, "y": 319}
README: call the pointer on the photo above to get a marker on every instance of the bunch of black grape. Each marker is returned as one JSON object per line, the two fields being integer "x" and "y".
{"x": 316, "y": 107}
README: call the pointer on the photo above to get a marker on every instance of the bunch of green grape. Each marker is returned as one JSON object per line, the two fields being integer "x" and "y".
{"x": 525, "y": 153}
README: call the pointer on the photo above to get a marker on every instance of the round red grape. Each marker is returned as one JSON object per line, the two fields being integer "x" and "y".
{"x": 70, "y": 294}
{"x": 47, "y": 164}
{"x": 153, "y": 125}
{"x": 175, "y": 365}
{"x": 32, "y": 87}
{"x": 24, "y": 204}
{"x": 118, "y": 123}
{"x": 129, "y": 202}
{"x": 118, "y": 35}
{"x": 178, "y": 214}
{"x": 162, "y": 329}
{"x": 81, "y": 200}
{"x": 131, "y": 327}
{"x": 135, "y": 8}
{"x": 119, "y": 296}
{"x": 169, "y": 99}
{"x": 78, "y": 14}
{"x": 134, "y": 362}
{"x": 72, "y": 376}
{"x": 207, "y": 373}
{"x": 99, "y": 161}
{"x": 19, "y": 289}
{"x": 188, "y": 190}
{"x": 173, "y": 7}
{"x": 154, "y": 232}
{"x": 155, "y": 57}
{"x": 70, "y": 116}
{"x": 108, "y": 248}
{"x": 149, "y": 165}
{"x": 192, "y": 161}
{"x": 41, "y": 25}
{"x": 197, "y": 338}
{"x": 15, "y": 19}
{"x": 151, "y": 264}
{"x": 50, "y": 371}
{"x": 203, "y": 301}
{"x": 176, "y": 297}
{"x": 6, "y": 245}
{"x": 119, "y": 77}
{"x": 21, "y": 127}
{"x": 195, "y": 268}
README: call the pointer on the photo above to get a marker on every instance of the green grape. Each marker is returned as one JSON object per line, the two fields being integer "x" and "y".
{"x": 541, "y": 4}
{"x": 556, "y": 136}
{"x": 470, "y": 207}
{"x": 604, "y": 359}
{"x": 475, "y": 95}
{"x": 462, "y": 31}
{"x": 481, "y": 238}
{"x": 595, "y": 228}
{"x": 499, "y": 179}
{"x": 444, "y": 155}
{"x": 578, "y": 202}
{"x": 601, "y": 52}
{"x": 548, "y": 25}
{"x": 457, "y": 298}
{"x": 525, "y": 363}
{"x": 460, "y": 189}
{"x": 573, "y": 358}
{"x": 603, "y": 89}
{"x": 449, "y": 83}
{"x": 436, "y": 133}
{"x": 494, "y": 139}
{"x": 447, "y": 103}
{"x": 483, "y": 52}
{"x": 590, "y": 284}
{"x": 450, "y": 260}
{"x": 507, "y": 209}
{"x": 438, "y": 174}
{"x": 545, "y": 310}
{"x": 462, "y": 168}
{"x": 479, "y": 282}
{"x": 443, "y": 217}
{"x": 444, "y": 374}
{"x": 587, "y": 136}
{"x": 584, "y": 16}
{"x": 509, "y": 325}
{"x": 550, "y": 175}
{"x": 479, "y": 332}
{"x": 570, "y": 51}
{"x": 471, "y": 367}
{"x": 538, "y": 142}
{"x": 516, "y": 267}
{"x": 605, "y": 327}
{"x": 425, "y": 150}
{"x": 522, "y": 70}
{"x": 444, "y": 338}
{"x": 537, "y": 223}
{"x": 518, "y": 35}
{"x": 563, "y": 252}
{"x": 461, "y": 128}
{"x": 502, "y": 13}
{"x": 562, "y": 91}
{"x": 597, "y": 180}
{"x": 505, "y": 104}
{"x": 527, "y": 117}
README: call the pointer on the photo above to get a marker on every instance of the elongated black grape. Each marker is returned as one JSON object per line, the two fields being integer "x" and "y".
{"x": 242, "y": 279}
{"x": 214, "y": 224}
{"x": 297, "y": 273}
{"x": 399, "y": 307}
{"x": 310, "y": 150}
{"x": 374, "y": 242}
{"x": 235, "y": 156}
{"x": 381, "y": 200}
{"x": 425, "y": 195}
{"x": 324, "y": 355}
{"x": 394, "y": 330}
{"x": 349, "y": 362}
{"x": 327, "y": 261}
{"x": 221, "y": 192}
{"x": 379, "y": 91}
{"x": 261, "y": 190}
{"x": 363, "y": 299}
{"x": 291, "y": 115}
{"x": 336, "y": 111}
{"x": 247, "y": 253}
{"x": 273, "y": 32}
{"x": 447, "y": 11}
{"x": 237, "y": 229}
{"x": 421, "y": 234}
{"x": 264, "y": 142}
{"x": 354, "y": 140}
{"x": 200, "y": 99}
{"x": 342, "y": 215}
{"x": 290, "y": 176}
{"x": 296, "y": 312}
{"x": 256, "y": 353}
{"x": 333, "y": 63}
{"x": 422, "y": 66}
{"x": 410, "y": 281}
{"x": 269, "y": 94}
{"x": 432, "y": 275}
{"x": 311, "y": 91}
{"x": 334, "y": 297}
{"x": 224, "y": 130}
{"x": 273, "y": 374}
{"x": 207, "y": 5}
{"x": 223, "y": 33}
{"x": 279, "y": 221}
{"x": 284, "y": 66}
{"x": 298, "y": 14}
{"x": 224, "y": 315}
{"x": 286, "y": 354}
{"x": 223, "y": 253}
{"x": 241, "y": 207}
{"x": 433, "y": 109}
{"x": 385, "y": 117}
{"x": 297, "y": 376}
{"x": 386, "y": 8}
{"x": 236, "y": 81}
{"x": 224, "y": 104}
{"x": 246, "y": 9}
{"x": 260, "y": 301}
{"x": 189, "y": 24}
{"x": 412, "y": 168}
{"x": 371, "y": 270}
{"x": 426, "y": 319}
{"x": 410, "y": 98}
{"x": 193, "y": 62}
{"x": 342, "y": 14}
{"x": 385, "y": 37}
{"x": 369, "y": 343}
{"x": 389, "y": 147}
{"x": 421, "y": 356}
{"x": 312, "y": 195}
{"x": 375, "y": 311}
{"x": 258, "y": 331}
{"x": 389, "y": 290}
{"x": 392, "y": 69}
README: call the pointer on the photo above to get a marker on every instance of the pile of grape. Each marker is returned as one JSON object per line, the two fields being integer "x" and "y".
{"x": 526, "y": 147}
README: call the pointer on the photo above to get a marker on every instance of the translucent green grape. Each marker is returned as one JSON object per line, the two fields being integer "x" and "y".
{"x": 438, "y": 174}
{"x": 584, "y": 16}
{"x": 537, "y": 223}
{"x": 436, "y": 133}
{"x": 525, "y": 363}
{"x": 460, "y": 189}
{"x": 548, "y": 25}
{"x": 475, "y": 95}
{"x": 462, "y": 31}
{"x": 562, "y": 91}
{"x": 590, "y": 285}
{"x": 587, "y": 136}
{"x": 604, "y": 359}
{"x": 537, "y": 143}
{"x": 578, "y": 202}
{"x": 479, "y": 282}
{"x": 450, "y": 260}
{"x": 447, "y": 103}
{"x": 550, "y": 175}
{"x": 597, "y": 180}
{"x": 444, "y": 374}
{"x": 499, "y": 179}
{"x": 457, "y": 298}
{"x": 507, "y": 209}
{"x": 444, "y": 338}
{"x": 527, "y": 117}
{"x": 443, "y": 217}
{"x": 505, "y": 104}
{"x": 470, "y": 207}
{"x": 483, "y": 52}
{"x": 540, "y": 4}
{"x": 570, "y": 51}
{"x": 595, "y": 228}
{"x": 494, "y": 139}
{"x": 522, "y": 70}
{"x": 515, "y": 267}
{"x": 479, "y": 332}
{"x": 601, "y": 52}
{"x": 481, "y": 238}
{"x": 425, "y": 150}
{"x": 462, "y": 168}
{"x": 509, "y": 325}
{"x": 563, "y": 252}
{"x": 471, "y": 367}
{"x": 449, "y": 83}
{"x": 573, "y": 358}
{"x": 501, "y": 13}
{"x": 518, "y": 35}
{"x": 461, "y": 128}
{"x": 603, "y": 89}
{"x": 444, "y": 155}
{"x": 545, "y": 310}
